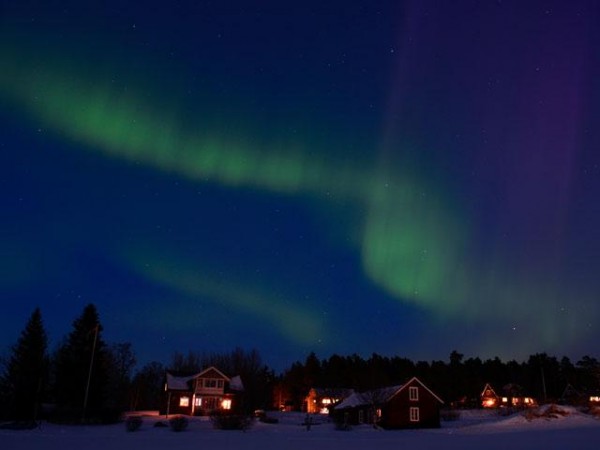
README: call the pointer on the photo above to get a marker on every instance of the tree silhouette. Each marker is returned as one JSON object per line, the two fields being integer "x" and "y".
{"x": 26, "y": 374}
{"x": 147, "y": 386}
{"x": 80, "y": 378}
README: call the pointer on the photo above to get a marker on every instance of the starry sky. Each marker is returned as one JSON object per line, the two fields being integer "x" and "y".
{"x": 400, "y": 177}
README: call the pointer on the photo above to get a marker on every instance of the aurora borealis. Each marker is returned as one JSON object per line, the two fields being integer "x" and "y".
{"x": 380, "y": 177}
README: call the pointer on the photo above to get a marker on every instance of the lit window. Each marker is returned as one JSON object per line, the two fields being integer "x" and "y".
{"x": 198, "y": 401}
{"x": 504, "y": 399}
{"x": 326, "y": 401}
{"x": 414, "y": 414}
{"x": 595, "y": 398}
{"x": 378, "y": 412}
{"x": 226, "y": 404}
{"x": 184, "y": 401}
{"x": 413, "y": 393}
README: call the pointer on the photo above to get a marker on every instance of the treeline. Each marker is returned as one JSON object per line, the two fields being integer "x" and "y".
{"x": 88, "y": 380}
{"x": 458, "y": 381}
{"x": 85, "y": 379}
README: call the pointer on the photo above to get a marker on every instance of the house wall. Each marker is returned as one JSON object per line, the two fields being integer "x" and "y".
{"x": 171, "y": 404}
{"x": 396, "y": 412}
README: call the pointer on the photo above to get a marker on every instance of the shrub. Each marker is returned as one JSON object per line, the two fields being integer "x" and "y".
{"x": 178, "y": 423}
{"x": 133, "y": 423}
{"x": 267, "y": 419}
{"x": 231, "y": 421}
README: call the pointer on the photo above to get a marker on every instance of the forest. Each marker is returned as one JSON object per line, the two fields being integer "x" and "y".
{"x": 89, "y": 380}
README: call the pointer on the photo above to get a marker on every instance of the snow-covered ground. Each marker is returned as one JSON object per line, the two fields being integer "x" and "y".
{"x": 473, "y": 430}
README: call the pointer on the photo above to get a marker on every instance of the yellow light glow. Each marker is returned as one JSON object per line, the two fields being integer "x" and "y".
{"x": 184, "y": 401}
{"x": 595, "y": 398}
{"x": 326, "y": 401}
{"x": 226, "y": 404}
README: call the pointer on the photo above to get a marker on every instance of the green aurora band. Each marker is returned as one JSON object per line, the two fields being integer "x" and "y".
{"x": 414, "y": 241}
{"x": 291, "y": 321}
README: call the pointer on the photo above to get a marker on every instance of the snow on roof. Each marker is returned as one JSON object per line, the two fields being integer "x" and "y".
{"x": 369, "y": 397}
{"x": 179, "y": 383}
{"x": 235, "y": 383}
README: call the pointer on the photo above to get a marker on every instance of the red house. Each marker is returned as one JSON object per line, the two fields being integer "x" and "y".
{"x": 489, "y": 398}
{"x": 201, "y": 394}
{"x": 411, "y": 405}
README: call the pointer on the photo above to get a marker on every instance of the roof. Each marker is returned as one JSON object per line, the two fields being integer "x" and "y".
{"x": 486, "y": 387}
{"x": 178, "y": 383}
{"x": 181, "y": 382}
{"x": 235, "y": 384}
{"x": 416, "y": 380}
{"x": 382, "y": 395}
{"x": 212, "y": 368}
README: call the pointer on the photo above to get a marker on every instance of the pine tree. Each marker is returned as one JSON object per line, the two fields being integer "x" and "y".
{"x": 80, "y": 377}
{"x": 26, "y": 373}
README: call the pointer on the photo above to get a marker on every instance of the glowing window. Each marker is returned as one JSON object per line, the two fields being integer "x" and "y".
{"x": 226, "y": 404}
{"x": 504, "y": 399}
{"x": 378, "y": 412}
{"x": 413, "y": 393}
{"x": 595, "y": 398}
{"x": 184, "y": 401}
{"x": 488, "y": 403}
{"x": 326, "y": 401}
{"x": 414, "y": 414}
{"x": 198, "y": 401}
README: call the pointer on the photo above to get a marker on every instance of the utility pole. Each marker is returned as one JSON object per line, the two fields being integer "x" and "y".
{"x": 543, "y": 383}
{"x": 87, "y": 387}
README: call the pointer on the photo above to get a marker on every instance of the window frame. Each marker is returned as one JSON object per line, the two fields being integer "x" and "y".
{"x": 414, "y": 414}
{"x": 413, "y": 393}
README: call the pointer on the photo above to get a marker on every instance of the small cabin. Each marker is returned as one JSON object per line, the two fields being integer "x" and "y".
{"x": 411, "y": 405}
{"x": 489, "y": 398}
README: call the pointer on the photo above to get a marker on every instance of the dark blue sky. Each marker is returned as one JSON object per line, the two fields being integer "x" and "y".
{"x": 400, "y": 177}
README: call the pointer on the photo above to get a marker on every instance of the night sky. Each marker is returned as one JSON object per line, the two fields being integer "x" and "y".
{"x": 399, "y": 177}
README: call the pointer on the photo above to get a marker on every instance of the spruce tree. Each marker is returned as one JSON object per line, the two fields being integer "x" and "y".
{"x": 26, "y": 373}
{"x": 80, "y": 369}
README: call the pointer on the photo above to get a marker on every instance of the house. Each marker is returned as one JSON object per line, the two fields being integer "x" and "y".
{"x": 571, "y": 396}
{"x": 489, "y": 398}
{"x": 320, "y": 400}
{"x": 202, "y": 393}
{"x": 411, "y": 405}
{"x": 513, "y": 398}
